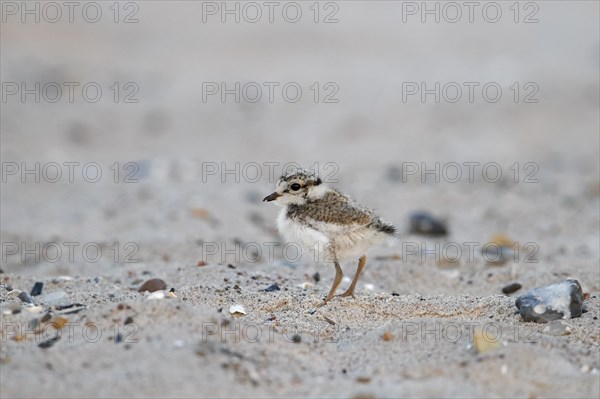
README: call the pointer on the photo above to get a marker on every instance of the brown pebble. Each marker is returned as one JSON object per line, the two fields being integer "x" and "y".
{"x": 387, "y": 336}
{"x": 484, "y": 342}
{"x": 46, "y": 318}
{"x": 19, "y": 338}
{"x": 586, "y": 296}
{"x": 363, "y": 380}
{"x": 509, "y": 289}
{"x": 154, "y": 284}
{"x": 59, "y": 322}
{"x": 201, "y": 263}
{"x": 200, "y": 213}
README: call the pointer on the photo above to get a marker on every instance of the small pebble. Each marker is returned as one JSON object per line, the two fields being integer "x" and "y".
{"x": 129, "y": 320}
{"x": 37, "y": 289}
{"x": 513, "y": 287}
{"x": 503, "y": 240}
{"x": 152, "y": 285}
{"x": 59, "y": 322}
{"x": 271, "y": 288}
{"x": 316, "y": 277}
{"x": 25, "y": 298}
{"x": 499, "y": 250}
{"x": 552, "y": 302}
{"x": 10, "y": 309}
{"x": 387, "y": 336}
{"x": 425, "y": 224}
{"x": 179, "y": 343}
{"x": 485, "y": 342}
{"x": 305, "y": 285}
{"x": 296, "y": 339}
{"x": 49, "y": 342}
{"x": 201, "y": 263}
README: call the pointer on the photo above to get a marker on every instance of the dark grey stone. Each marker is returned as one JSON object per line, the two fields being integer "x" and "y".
{"x": 557, "y": 301}
{"x": 425, "y": 224}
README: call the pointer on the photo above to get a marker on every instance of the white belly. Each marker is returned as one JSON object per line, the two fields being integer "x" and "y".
{"x": 292, "y": 231}
{"x": 326, "y": 241}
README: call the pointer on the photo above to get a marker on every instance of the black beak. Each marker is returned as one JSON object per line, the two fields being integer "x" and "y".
{"x": 271, "y": 197}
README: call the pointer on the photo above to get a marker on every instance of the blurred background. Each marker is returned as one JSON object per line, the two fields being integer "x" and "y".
{"x": 153, "y": 106}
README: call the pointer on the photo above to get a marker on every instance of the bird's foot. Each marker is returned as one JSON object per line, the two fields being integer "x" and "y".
{"x": 347, "y": 293}
{"x": 320, "y": 304}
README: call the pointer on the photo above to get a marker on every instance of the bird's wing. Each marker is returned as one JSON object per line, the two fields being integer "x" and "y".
{"x": 342, "y": 218}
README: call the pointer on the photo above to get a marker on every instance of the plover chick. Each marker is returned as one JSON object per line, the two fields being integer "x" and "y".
{"x": 314, "y": 215}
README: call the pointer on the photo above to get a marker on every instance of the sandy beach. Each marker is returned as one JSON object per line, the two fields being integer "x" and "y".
{"x": 181, "y": 118}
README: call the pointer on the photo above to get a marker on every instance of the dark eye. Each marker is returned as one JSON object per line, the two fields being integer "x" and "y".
{"x": 295, "y": 187}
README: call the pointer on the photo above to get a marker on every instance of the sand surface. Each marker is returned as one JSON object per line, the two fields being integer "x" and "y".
{"x": 410, "y": 330}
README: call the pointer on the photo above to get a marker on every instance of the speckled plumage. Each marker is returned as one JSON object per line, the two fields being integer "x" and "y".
{"x": 318, "y": 217}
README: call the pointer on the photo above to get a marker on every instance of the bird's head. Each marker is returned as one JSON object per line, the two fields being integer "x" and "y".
{"x": 296, "y": 188}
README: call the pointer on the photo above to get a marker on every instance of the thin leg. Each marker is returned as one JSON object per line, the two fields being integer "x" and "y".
{"x": 361, "y": 264}
{"x": 336, "y": 281}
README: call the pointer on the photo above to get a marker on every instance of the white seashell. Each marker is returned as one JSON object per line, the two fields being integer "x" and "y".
{"x": 369, "y": 287}
{"x": 13, "y": 294}
{"x": 237, "y": 310}
{"x": 34, "y": 309}
{"x": 58, "y": 279}
{"x": 306, "y": 285}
